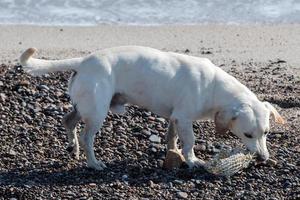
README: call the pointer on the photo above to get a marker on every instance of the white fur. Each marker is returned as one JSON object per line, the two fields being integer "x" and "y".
{"x": 178, "y": 87}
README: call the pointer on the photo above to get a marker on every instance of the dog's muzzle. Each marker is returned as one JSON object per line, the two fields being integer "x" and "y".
{"x": 262, "y": 157}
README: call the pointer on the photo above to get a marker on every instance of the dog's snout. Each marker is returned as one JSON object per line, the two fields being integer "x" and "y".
{"x": 262, "y": 157}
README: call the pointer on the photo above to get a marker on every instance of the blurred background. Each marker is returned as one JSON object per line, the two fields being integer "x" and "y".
{"x": 147, "y": 12}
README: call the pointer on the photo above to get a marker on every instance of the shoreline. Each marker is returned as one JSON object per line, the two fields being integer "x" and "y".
{"x": 223, "y": 44}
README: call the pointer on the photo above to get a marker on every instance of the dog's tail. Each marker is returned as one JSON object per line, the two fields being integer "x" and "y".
{"x": 40, "y": 66}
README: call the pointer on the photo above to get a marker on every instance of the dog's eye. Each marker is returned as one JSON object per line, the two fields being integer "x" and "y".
{"x": 248, "y": 135}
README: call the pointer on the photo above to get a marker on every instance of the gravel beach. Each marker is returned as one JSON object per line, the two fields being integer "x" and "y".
{"x": 34, "y": 161}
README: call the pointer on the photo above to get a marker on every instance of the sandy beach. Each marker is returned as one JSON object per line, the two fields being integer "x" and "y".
{"x": 259, "y": 43}
{"x": 35, "y": 164}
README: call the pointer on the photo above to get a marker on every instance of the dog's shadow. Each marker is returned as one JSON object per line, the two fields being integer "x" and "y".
{"x": 118, "y": 172}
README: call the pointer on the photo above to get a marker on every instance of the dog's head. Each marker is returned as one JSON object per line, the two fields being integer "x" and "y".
{"x": 250, "y": 123}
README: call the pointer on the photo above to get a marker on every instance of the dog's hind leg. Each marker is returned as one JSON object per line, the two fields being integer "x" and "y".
{"x": 93, "y": 108}
{"x": 70, "y": 121}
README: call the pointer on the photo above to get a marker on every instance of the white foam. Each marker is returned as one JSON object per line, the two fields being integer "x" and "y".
{"x": 147, "y": 12}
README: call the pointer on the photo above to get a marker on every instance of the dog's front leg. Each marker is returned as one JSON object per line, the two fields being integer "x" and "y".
{"x": 172, "y": 136}
{"x": 187, "y": 137}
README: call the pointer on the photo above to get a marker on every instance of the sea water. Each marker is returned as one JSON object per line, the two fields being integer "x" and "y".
{"x": 147, "y": 12}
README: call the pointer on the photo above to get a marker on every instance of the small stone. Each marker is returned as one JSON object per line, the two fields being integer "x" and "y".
{"x": 92, "y": 184}
{"x": 59, "y": 94}
{"x": 153, "y": 149}
{"x": 71, "y": 194}
{"x": 146, "y": 114}
{"x": 12, "y": 152}
{"x": 2, "y": 97}
{"x": 162, "y": 120}
{"x": 200, "y": 147}
{"x": 122, "y": 147}
{"x": 147, "y": 133}
{"x": 1, "y": 83}
{"x": 37, "y": 109}
{"x": 173, "y": 160}
{"x": 287, "y": 184}
{"x": 209, "y": 145}
{"x": 182, "y": 195}
{"x": 150, "y": 118}
{"x": 67, "y": 106}
{"x": 291, "y": 165}
{"x": 23, "y": 104}
{"x": 271, "y": 162}
{"x": 24, "y": 83}
{"x": 125, "y": 177}
{"x": 151, "y": 184}
{"x": 155, "y": 139}
{"x": 136, "y": 134}
{"x": 297, "y": 149}
{"x": 215, "y": 150}
{"x": 178, "y": 181}
{"x": 278, "y": 135}
{"x": 108, "y": 129}
{"x": 160, "y": 163}
{"x": 45, "y": 87}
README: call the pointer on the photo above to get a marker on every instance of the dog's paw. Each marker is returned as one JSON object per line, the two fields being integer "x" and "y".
{"x": 195, "y": 163}
{"x": 99, "y": 165}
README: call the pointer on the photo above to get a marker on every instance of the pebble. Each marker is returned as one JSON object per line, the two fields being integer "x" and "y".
{"x": 151, "y": 184}
{"x": 153, "y": 149}
{"x": 24, "y": 83}
{"x": 177, "y": 181}
{"x": 12, "y": 152}
{"x": 151, "y": 118}
{"x": 182, "y": 195}
{"x": 2, "y": 97}
{"x": 215, "y": 150}
{"x": 108, "y": 129}
{"x": 125, "y": 177}
{"x": 139, "y": 153}
{"x": 146, "y": 133}
{"x": 162, "y": 120}
{"x": 155, "y": 139}
{"x": 59, "y": 93}
{"x": 35, "y": 150}
{"x": 136, "y": 134}
{"x": 200, "y": 147}
{"x": 45, "y": 87}
{"x": 271, "y": 162}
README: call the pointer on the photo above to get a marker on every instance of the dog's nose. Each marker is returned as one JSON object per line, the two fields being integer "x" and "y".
{"x": 262, "y": 157}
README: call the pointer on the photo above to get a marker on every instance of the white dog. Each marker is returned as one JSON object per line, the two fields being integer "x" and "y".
{"x": 178, "y": 87}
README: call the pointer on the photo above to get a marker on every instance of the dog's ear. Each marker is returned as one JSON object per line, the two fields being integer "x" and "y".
{"x": 274, "y": 113}
{"x": 224, "y": 119}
